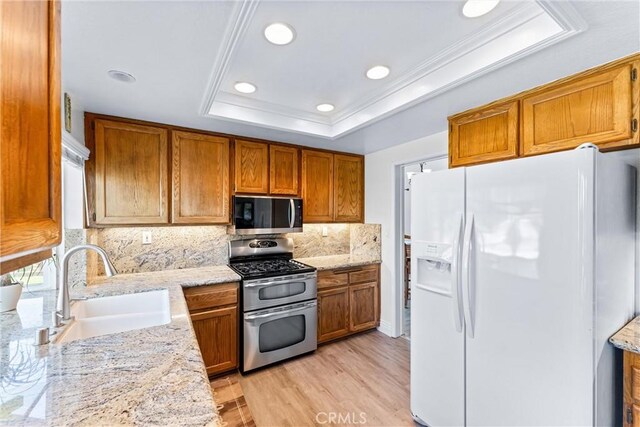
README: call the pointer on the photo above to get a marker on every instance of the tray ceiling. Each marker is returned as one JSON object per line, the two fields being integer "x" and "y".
{"x": 429, "y": 46}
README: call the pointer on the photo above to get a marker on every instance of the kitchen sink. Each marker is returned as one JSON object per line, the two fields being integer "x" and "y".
{"x": 120, "y": 313}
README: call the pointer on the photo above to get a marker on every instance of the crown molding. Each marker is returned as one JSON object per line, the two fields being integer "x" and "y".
{"x": 400, "y": 93}
{"x": 238, "y": 23}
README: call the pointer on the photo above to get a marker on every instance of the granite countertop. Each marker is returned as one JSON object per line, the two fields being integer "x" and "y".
{"x": 331, "y": 262}
{"x": 186, "y": 277}
{"x": 628, "y": 338}
{"x": 147, "y": 376}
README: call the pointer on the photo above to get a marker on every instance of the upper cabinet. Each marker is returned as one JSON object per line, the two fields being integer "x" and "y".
{"x": 142, "y": 173}
{"x": 131, "y": 173}
{"x": 332, "y": 187}
{"x": 30, "y": 218}
{"x": 251, "y": 167}
{"x": 348, "y": 188}
{"x": 317, "y": 186}
{"x": 200, "y": 178}
{"x": 484, "y": 135}
{"x": 283, "y": 170}
{"x": 600, "y": 106}
{"x": 595, "y": 109}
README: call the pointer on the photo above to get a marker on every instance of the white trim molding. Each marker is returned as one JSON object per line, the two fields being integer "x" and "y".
{"x": 73, "y": 151}
{"x": 522, "y": 31}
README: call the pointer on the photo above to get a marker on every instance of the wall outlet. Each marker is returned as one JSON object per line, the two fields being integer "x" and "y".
{"x": 325, "y": 231}
{"x": 146, "y": 238}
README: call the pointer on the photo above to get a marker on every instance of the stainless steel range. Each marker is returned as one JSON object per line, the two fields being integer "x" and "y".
{"x": 279, "y": 302}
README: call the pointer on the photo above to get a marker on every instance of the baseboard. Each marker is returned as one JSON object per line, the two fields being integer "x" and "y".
{"x": 385, "y": 328}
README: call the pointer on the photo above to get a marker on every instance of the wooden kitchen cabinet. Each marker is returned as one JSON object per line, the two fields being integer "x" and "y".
{"x": 484, "y": 135}
{"x": 349, "y": 188}
{"x": 251, "y": 167}
{"x": 317, "y": 186}
{"x": 631, "y": 389}
{"x": 333, "y": 313}
{"x": 600, "y": 105}
{"x": 131, "y": 173}
{"x": 596, "y": 109}
{"x": 214, "y": 315}
{"x": 348, "y": 301}
{"x": 30, "y": 138}
{"x": 283, "y": 170}
{"x": 200, "y": 179}
{"x": 363, "y": 306}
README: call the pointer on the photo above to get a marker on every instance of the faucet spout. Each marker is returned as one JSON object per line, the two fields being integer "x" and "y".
{"x": 63, "y": 302}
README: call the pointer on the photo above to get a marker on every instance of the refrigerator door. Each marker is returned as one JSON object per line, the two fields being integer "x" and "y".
{"x": 528, "y": 291}
{"x": 437, "y": 330}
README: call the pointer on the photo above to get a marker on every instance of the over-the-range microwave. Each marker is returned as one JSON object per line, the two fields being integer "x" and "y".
{"x": 267, "y": 215}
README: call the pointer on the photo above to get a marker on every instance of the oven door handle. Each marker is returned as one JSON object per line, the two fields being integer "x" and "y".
{"x": 279, "y": 313}
{"x": 278, "y": 282}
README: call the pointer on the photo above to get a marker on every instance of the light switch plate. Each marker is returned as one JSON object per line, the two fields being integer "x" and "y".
{"x": 325, "y": 231}
{"x": 146, "y": 238}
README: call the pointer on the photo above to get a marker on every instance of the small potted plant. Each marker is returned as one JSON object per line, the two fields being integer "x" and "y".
{"x": 10, "y": 291}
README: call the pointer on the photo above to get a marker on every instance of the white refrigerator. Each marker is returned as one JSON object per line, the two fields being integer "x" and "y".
{"x": 521, "y": 270}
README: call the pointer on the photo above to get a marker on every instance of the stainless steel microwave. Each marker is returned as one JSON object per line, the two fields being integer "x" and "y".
{"x": 266, "y": 215}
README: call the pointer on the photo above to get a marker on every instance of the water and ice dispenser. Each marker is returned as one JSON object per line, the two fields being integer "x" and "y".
{"x": 432, "y": 266}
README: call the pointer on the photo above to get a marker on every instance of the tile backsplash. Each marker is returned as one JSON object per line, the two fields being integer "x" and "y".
{"x": 197, "y": 246}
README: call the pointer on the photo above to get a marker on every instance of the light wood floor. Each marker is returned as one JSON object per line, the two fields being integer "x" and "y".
{"x": 366, "y": 374}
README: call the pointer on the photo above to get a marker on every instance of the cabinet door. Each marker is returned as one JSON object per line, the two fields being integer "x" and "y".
{"x": 484, "y": 135}
{"x": 595, "y": 109}
{"x": 317, "y": 186}
{"x": 333, "y": 314}
{"x": 349, "y": 188}
{"x": 251, "y": 167}
{"x": 363, "y": 306}
{"x": 30, "y": 130}
{"x": 283, "y": 170}
{"x": 131, "y": 174}
{"x": 200, "y": 178}
{"x": 217, "y": 334}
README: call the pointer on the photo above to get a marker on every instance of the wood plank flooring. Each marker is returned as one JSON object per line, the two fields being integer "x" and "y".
{"x": 362, "y": 380}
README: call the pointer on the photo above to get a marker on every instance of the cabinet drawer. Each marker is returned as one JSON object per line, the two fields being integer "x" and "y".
{"x": 204, "y": 297}
{"x": 331, "y": 279}
{"x": 367, "y": 274}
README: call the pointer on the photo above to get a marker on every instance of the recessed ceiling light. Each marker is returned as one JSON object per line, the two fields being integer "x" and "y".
{"x": 325, "y": 108}
{"x": 475, "y": 8}
{"x": 378, "y": 72}
{"x": 279, "y": 33}
{"x": 121, "y": 76}
{"x": 244, "y": 87}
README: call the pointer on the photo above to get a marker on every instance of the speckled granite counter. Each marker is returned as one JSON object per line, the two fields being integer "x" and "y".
{"x": 187, "y": 277}
{"x": 331, "y": 262}
{"x": 151, "y": 376}
{"x": 628, "y": 338}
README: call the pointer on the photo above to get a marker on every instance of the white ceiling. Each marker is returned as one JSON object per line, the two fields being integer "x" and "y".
{"x": 186, "y": 57}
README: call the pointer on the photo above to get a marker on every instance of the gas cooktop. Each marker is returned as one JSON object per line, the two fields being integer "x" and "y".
{"x": 269, "y": 267}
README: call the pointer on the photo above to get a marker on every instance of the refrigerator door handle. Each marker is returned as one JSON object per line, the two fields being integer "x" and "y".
{"x": 467, "y": 279}
{"x": 455, "y": 275}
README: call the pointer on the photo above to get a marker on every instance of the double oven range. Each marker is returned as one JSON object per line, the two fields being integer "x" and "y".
{"x": 279, "y": 301}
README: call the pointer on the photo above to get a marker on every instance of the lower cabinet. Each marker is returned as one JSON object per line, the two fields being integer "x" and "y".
{"x": 214, "y": 315}
{"x": 333, "y": 313}
{"x": 631, "y": 410}
{"x": 348, "y": 301}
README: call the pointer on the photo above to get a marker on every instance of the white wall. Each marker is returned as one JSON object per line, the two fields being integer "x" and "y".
{"x": 383, "y": 173}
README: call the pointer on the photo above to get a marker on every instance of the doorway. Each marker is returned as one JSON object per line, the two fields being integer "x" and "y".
{"x": 409, "y": 170}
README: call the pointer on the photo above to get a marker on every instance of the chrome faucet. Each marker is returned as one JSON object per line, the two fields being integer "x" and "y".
{"x": 63, "y": 312}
